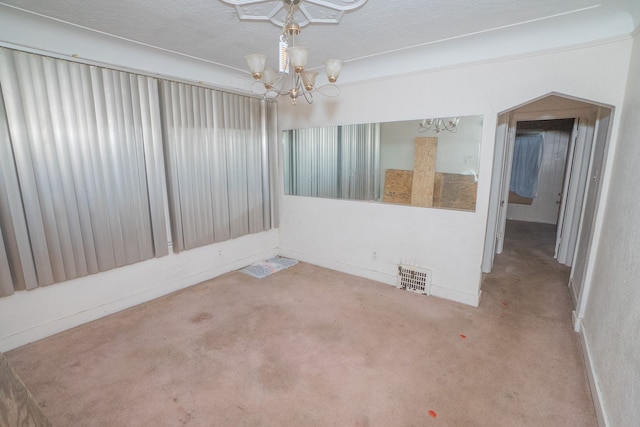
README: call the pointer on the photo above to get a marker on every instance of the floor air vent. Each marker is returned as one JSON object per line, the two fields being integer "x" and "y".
{"x": 414, "y": 279}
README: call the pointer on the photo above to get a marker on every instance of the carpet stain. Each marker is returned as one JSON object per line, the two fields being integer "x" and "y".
{"x": 200, "y": 317}
{"x": 362, "y": 422}
{"x": 222, "y": 336}
{"x": 275, "y": 374}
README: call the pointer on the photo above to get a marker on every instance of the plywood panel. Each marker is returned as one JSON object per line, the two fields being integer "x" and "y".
{"x": 455, "y": 191}
{"x": 424, "y": 171}
{"x": 515, "y": 198}
{"x": 397, "y": 186}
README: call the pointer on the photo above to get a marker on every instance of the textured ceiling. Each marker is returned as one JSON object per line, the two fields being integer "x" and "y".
{"x": 211, "y": 29}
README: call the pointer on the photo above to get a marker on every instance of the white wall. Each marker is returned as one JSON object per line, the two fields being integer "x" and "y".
{"x": 611, "y": 324}
{"x": 344, "y": 235}
{"x": 28, "y": 316}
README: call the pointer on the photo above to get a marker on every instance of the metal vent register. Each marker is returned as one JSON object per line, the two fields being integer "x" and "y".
{"x": 414, "y": 279}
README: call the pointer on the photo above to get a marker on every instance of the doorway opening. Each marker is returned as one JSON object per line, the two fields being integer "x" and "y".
{"x": 538, "y": 168}
{"x": 572, "y": 138}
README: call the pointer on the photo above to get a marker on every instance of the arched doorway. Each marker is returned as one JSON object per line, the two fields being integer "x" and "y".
{"x": 578, "y": 199}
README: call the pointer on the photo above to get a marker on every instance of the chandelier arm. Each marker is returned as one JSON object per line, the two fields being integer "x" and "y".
{"x": 308, "y": 96}
{"x": 438, "y": 125}
{"x": 322, "y": 90}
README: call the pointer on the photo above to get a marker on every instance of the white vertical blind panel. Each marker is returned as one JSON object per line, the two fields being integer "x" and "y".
{"x": 79, "y": 135}
{"x": 6, "y": 281}
{"x": 333, "y": 162}
{"x": 314, "y": 161}
{"x": 13, "y": 73}
{"x": 17, "y": 251}
{"x": 73, "y": 126}
{"x": 236, "y": 165}
{"x": 220, "y": 178}
{"x": 360, "y": 159}
{"x": 271, "y": 164}
{"x": 214, "y": 142}
{"x": 151, "y": 128}
{"x": 257, "y": 170}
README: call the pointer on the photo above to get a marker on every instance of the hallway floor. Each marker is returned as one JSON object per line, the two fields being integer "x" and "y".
{"x": 313, "y": 347}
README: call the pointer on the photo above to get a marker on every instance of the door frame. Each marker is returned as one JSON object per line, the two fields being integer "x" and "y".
{"x": 503, "y": 158}
{"x": 602, "y": 116}
{"x": 583, "y": 269}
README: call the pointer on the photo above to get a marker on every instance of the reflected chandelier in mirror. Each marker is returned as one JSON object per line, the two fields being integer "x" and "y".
{"x": 391, "y": 162}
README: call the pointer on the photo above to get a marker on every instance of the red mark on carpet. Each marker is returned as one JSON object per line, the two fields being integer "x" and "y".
{"x": 463, "y": 336}
{"x": 433, "y": 413}
{"x": 504, "y": 303}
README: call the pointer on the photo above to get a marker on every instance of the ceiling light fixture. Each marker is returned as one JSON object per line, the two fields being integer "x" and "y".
{"x": 438, "y": 125}
{"x": 292, "y": 79}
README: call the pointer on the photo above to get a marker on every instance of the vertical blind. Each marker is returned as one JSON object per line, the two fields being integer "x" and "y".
{"x": 78, "y": 143}
{"x": 217, "y": 147}
{"x": 360, "y": 155}
{"x": 312, "y": 156}
{"x": 83, "y": 151}
{"x": 333, "y": 161}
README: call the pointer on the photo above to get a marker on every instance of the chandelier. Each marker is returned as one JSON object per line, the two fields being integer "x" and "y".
{"x": 438, "y": 125}
{"x": 292, "y": 79}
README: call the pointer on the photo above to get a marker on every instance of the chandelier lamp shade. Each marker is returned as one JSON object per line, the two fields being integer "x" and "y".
{"x": 292, "y": 79}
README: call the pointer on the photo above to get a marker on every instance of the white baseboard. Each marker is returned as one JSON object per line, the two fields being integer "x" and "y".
{"x": 389, "y": 279}
{"x": 591, "y": 374}
{"x": 574, "y": 294}
{"x": 116, "y": 290}
{"x": 29, "y": 316}
{"x": 456, "y": 295}
{"x": 367, "y": 273}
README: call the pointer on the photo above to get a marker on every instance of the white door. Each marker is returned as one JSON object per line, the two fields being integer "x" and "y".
{"x": 494, "y": 238}
{"x": 574, "y": 190}
{"x": 565, "y": 188}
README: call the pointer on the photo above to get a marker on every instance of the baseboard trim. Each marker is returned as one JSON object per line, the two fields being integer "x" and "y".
{"x": 591, "y": 374}
{"x": 572, "y": 291}
{"x": 342, "y": 267}
{"x": 57, "y": 325}
{"x": 456, "y": 295}
{"x": 389, "y": 279}
{"x": 577, "y": 324}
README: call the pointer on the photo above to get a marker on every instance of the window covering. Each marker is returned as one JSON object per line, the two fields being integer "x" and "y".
{"x": 217, "y": 154}
{"x": 333, "y": 162}
{"x": 527, "y": 159}
{"x": 81, "y": 160}
{"x": 83, "y": 187}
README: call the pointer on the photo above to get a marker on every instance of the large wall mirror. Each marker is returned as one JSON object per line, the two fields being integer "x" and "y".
{"x": 393, "y": 162}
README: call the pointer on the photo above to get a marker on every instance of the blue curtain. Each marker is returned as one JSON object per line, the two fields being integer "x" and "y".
{"x": 527, "y": 158}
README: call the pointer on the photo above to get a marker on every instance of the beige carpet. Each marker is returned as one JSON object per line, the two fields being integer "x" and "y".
{"x": 312, "y": 347}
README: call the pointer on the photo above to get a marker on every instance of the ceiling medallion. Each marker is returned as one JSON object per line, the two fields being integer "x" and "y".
{"x": 312, "y": 11}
